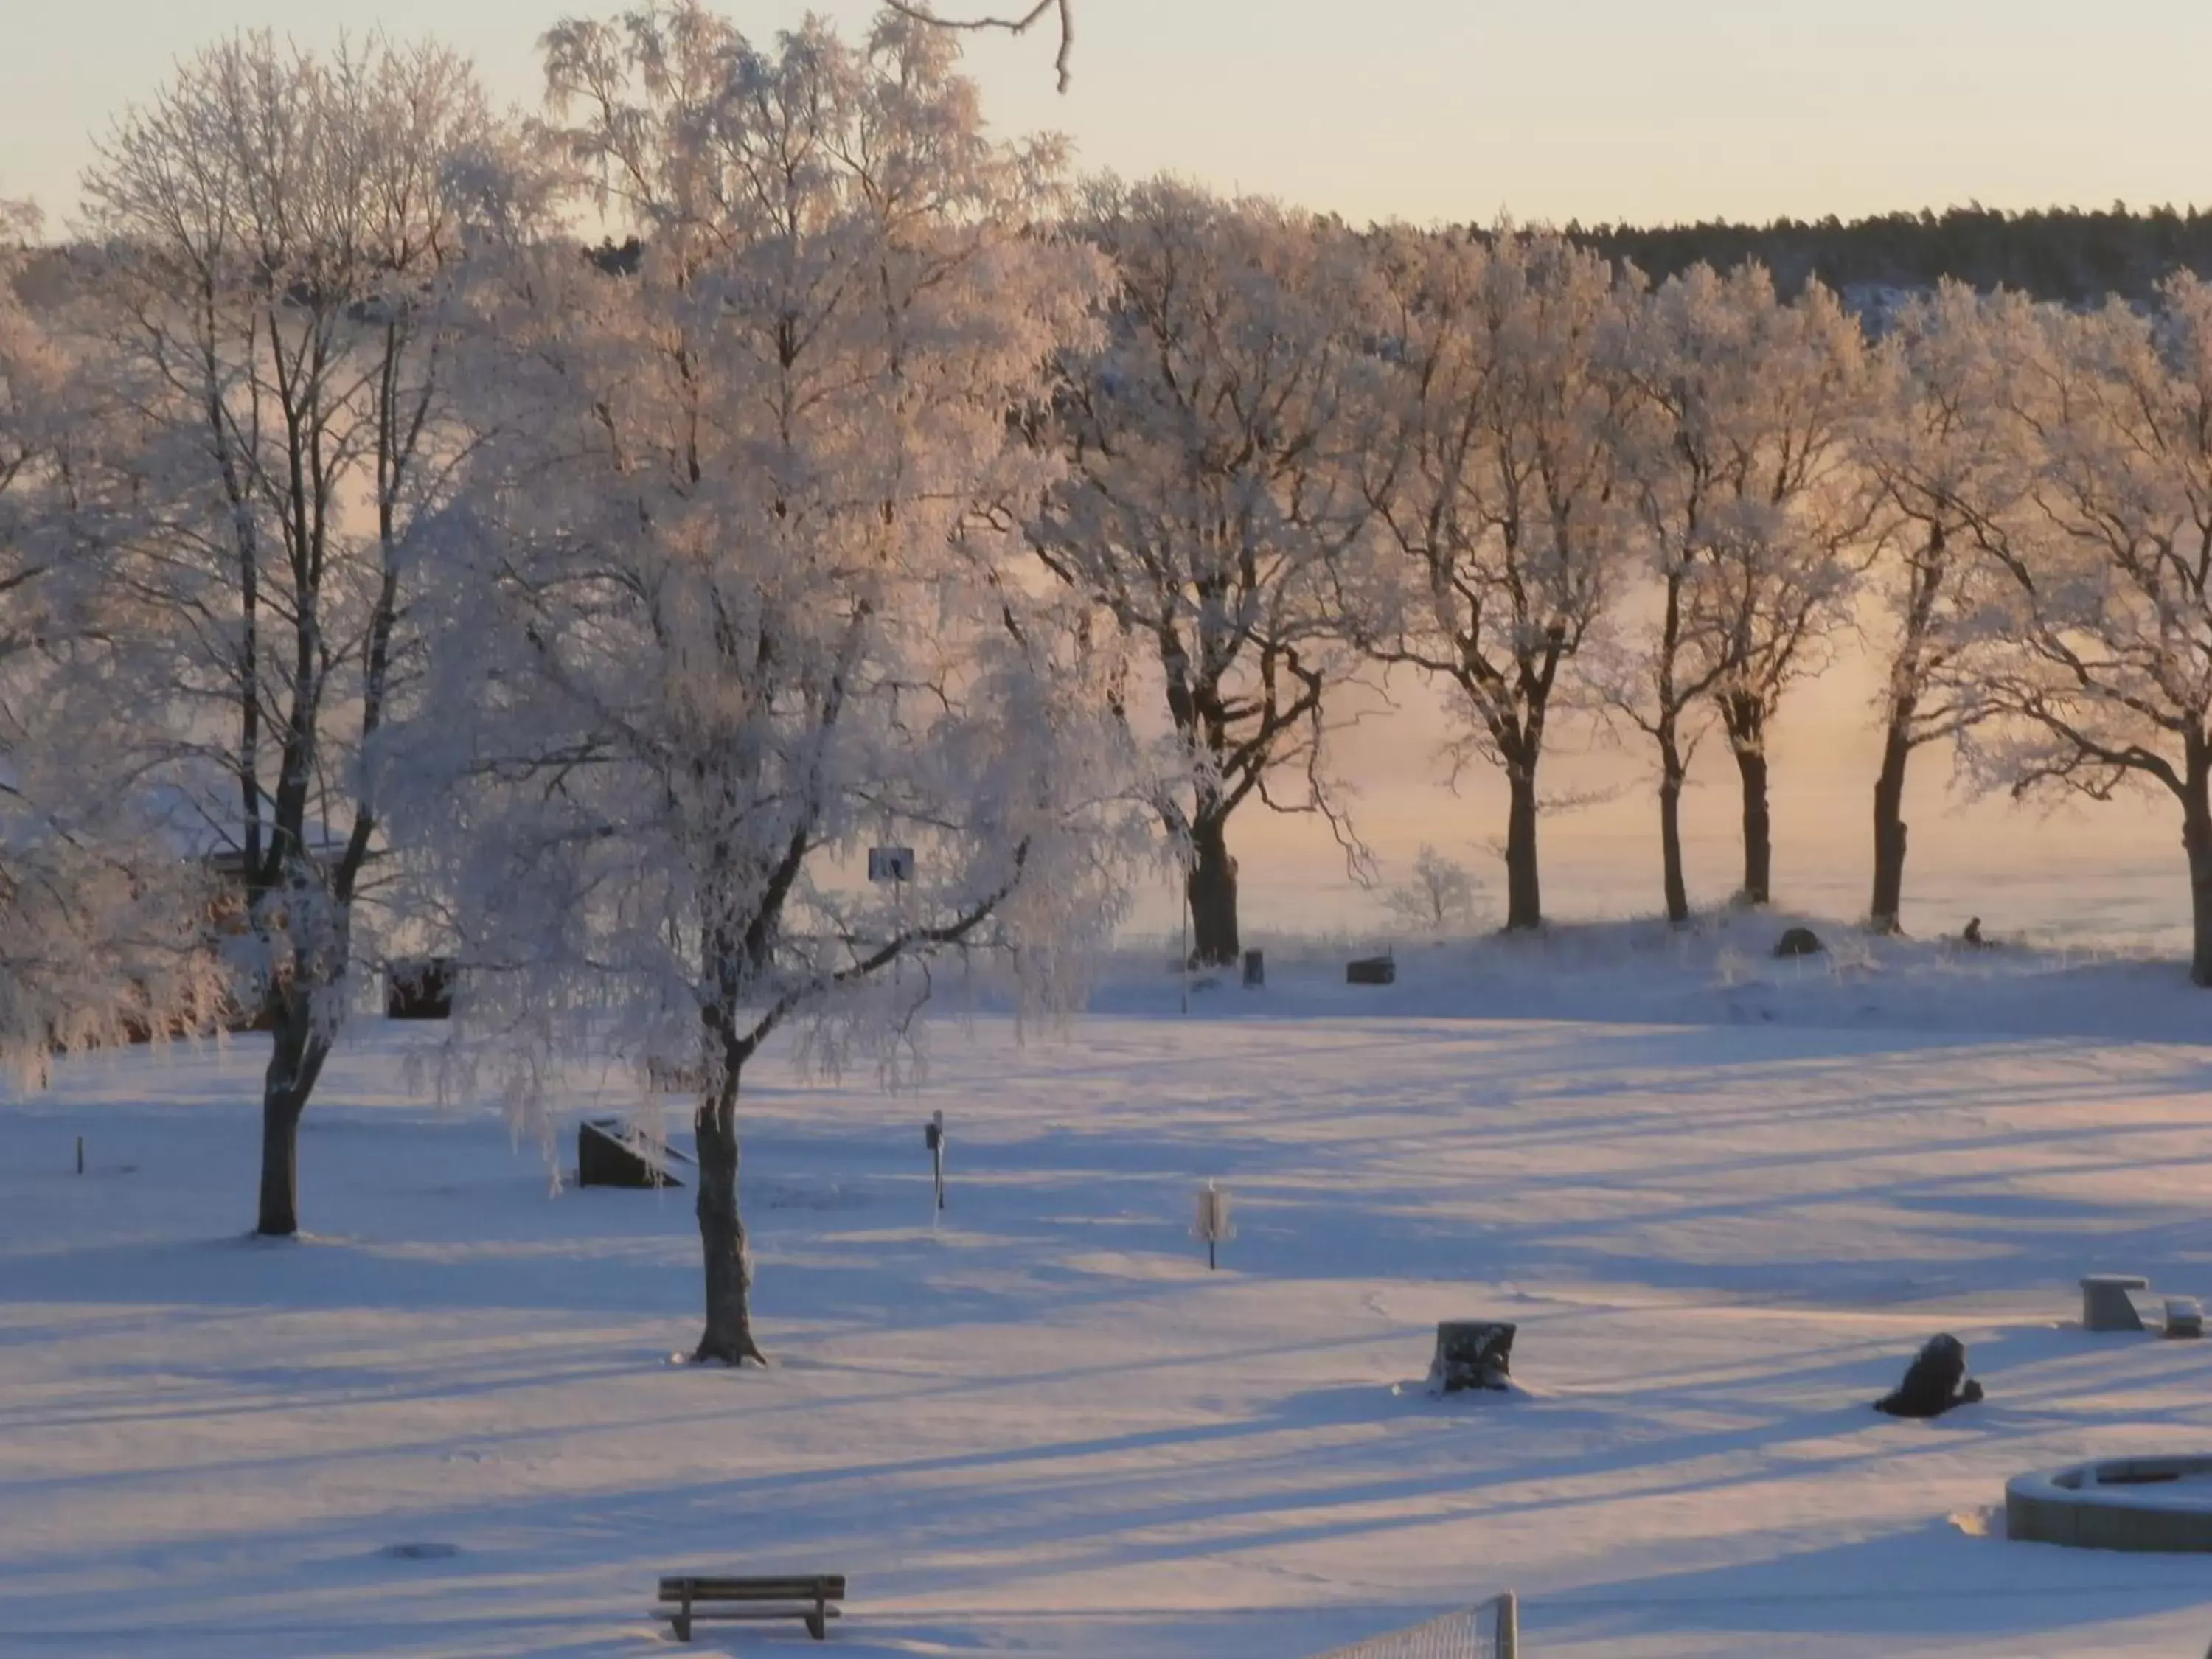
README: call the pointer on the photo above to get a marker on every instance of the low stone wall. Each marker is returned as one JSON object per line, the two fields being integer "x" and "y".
{"x": 2144, "y": 1504}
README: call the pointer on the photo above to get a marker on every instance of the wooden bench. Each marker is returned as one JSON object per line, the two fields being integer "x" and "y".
{"x": 806, "y": 1597}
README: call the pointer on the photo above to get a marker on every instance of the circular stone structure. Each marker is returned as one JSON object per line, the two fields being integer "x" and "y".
{"x": 2162, "y": 1504}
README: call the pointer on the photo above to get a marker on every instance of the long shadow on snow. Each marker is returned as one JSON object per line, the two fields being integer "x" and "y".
{"x": 1915, "y": 1583}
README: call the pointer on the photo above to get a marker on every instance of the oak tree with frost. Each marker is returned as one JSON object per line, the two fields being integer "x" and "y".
{"x": 725, "y": 592}
{"x": 1947, "y": 461}
{"x": 1750, "y": 509}
{"x": 1211, "y": 493}
{"x": 1499, "y": 539}
{"x": 279, "y": 238}
{"x": 2093, "y": 659}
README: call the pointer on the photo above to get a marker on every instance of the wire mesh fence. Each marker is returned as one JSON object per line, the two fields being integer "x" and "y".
{"x": 1489, "y": 1630}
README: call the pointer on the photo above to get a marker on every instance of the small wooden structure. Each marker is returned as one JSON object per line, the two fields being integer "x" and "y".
{"x": 1371, "y": 970}
{"x": 419, "y": 988}
{"x": 807, "y": 1598}
{"x": 607, "y": 1155}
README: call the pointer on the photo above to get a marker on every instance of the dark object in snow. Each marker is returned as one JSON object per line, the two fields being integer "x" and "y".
{"x": 2184, "y": 1317}
{"x": 806, "y": 1597}
{"x": 1256, "y": 968}
{"x": 1935, "y": 1382}
{"x": 605, "y": 1156}
{"x": 1472, "y": 1353}
{"x": 2105, "y": 1303}
{"x": 1799, "y": 942}
{"x": 1371, "y": 970}
{"x": 420, "y": 1552}
{"x": 420, "y": 989}
{"x": 1974, "y": 934}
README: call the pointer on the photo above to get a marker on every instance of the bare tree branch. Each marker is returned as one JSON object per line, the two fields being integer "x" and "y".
{"x": 1020, "y": 25}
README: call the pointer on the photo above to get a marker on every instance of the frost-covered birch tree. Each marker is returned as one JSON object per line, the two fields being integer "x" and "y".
{"x": 1211, "y": 492}
{"x": 1949, "y": 463}
{"x": 1497, "y": 539}
{"x": 1751, "y": 510}
{"x": 279, "y": 234}
{"x": 729, "y": 606}
{"x": 99, "y": 920}
{"x": 2094, "y": 662}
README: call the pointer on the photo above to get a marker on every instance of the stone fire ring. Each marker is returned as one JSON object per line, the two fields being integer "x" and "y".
{"x": 2162, "y": 1504}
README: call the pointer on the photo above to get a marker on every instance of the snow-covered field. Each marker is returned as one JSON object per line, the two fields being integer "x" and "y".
{"x": 1043, "y": 1427}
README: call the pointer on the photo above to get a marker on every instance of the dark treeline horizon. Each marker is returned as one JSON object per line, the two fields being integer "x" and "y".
{"x": 2069, "y": 255}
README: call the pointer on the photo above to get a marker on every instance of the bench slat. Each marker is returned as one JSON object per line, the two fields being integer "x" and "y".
{"x": 766, "y": 1590}
{"x": 761, "y": 1616}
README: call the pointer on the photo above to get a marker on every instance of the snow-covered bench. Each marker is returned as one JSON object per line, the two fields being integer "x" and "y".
{"x": 806, "y": 1597}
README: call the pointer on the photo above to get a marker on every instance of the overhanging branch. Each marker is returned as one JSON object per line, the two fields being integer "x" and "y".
{"x": 1020, "y": 25}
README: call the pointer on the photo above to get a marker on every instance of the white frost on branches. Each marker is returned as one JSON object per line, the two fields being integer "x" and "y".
{"x": 723, "y": 590}
{"x": 99, "y": 918}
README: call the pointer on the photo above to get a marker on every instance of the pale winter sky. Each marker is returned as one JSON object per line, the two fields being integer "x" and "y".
{"x": 1428, "y": 109}
{"x": 1460, "y": 109}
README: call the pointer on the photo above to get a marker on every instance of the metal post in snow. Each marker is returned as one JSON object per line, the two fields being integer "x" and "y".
{"x": 1213, "y": 1224}
{"x": 80, "y": 1154}
{"x": 932, "y": 1136}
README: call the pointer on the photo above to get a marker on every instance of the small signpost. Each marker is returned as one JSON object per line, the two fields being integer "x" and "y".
{"x": 932, "y": 1136}
{"x": 1214, "y": 1223}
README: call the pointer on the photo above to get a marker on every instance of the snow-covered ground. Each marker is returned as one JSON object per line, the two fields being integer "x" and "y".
{"x": 1724, "y": 1219}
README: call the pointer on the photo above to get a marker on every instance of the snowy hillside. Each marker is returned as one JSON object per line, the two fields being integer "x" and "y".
{"x": 1041, "y": 1427}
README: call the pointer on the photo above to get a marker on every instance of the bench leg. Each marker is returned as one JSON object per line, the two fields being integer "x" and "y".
{"x": 683, "y": 1617}
{"x": 818, "y": 1622}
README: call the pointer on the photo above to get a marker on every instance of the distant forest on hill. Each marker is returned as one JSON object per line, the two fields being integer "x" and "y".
{"x": 2071, "y": 255}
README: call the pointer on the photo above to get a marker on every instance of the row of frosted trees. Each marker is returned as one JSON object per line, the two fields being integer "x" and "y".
{"x": 1551, "y": 488}
{"x": 591, "y": 612}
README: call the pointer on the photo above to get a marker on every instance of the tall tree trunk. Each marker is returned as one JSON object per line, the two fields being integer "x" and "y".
{"x": 1524, "y": 901}
{"x": 1908, "y": 674}
{"x": 728, "y": 1338}
{"x": 2196, "y": 839}
{"x": 1884, "y": 913}
{"x": 1758, "y": 827}
{"x": 294, "y": 1063}
{"x": 1211, "y": 888}
{"x": 1672, "y": 770}
{"x": 1744, "y": 718}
